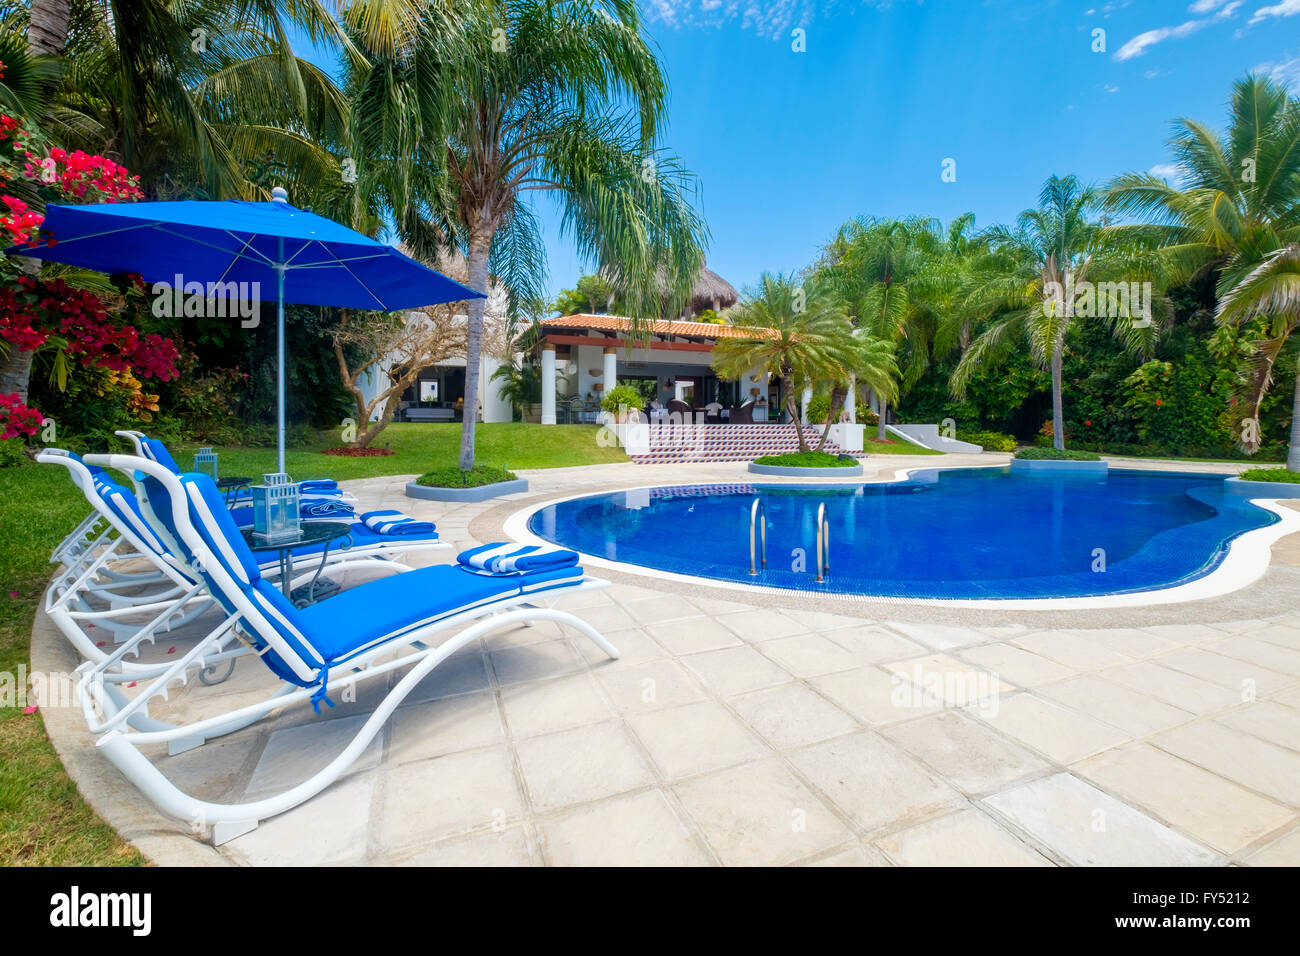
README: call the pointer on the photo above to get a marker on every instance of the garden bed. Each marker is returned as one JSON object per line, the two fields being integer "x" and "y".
{"x": 808, "y": 464}
{"x": 478, "y": 484}
{"x": 348, "y": 451}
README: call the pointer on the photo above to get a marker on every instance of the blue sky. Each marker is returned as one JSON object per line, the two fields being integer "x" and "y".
{"x": 788, "y": 145}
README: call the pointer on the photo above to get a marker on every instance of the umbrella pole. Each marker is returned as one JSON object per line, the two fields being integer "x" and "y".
{"x": 279, "y": 364}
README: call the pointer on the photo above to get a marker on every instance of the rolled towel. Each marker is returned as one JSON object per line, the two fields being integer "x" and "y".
{"x": 510, "y": 558}
{"x": 324, "y": 508}
{"x": 317, "y": 485}
{"x": 394, "y": 522}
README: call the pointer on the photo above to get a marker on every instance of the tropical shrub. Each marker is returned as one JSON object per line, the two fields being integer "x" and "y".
{"x": 1271, "y": 474}
{"x": 989, "y": 440}
{"x": 452, "y": 477}
{"x": 621, "y": 395}
{"x": 807, "y": 459}
{"x": 1055, "y": 454}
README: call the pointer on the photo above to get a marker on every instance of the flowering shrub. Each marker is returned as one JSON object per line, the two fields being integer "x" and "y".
{"x": 17, "y": 419}
{"x": 51, "y": 173}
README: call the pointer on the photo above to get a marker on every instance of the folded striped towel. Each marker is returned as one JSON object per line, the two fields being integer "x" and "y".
{"x": 324, "y": 508}
{"x": 317, "y": 485}
{"x": 506, "y": 557}
{"x": 394, "y": 522}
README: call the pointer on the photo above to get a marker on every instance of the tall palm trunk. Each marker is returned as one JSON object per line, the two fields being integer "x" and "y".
{"x": 839, "y": 401}
{"x": 1058, "y": 414}
{"x": 792, "y": 409}
{"x": 47, "y": 34}
{"x": 1293, "y": 454}
{"x": 480, "y": 243}
{"x": 881, "y": 434}
{"x": 47, "y": 30}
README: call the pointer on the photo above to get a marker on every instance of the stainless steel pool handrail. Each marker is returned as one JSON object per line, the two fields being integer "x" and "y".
{"x": 757, "y": 511}
{"x": 823, "y": 544}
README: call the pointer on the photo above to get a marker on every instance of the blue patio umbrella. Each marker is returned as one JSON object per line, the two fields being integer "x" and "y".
{"x": 310, "y": 260}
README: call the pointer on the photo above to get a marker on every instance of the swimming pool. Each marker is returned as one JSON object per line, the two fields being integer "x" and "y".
{"x": 973, "y": 533}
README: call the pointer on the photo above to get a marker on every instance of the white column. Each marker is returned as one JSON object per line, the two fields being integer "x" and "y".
{"x": 548, "y": 384}
{"x": 853, "y": 399}
{"x": 805, "y": 401}
{"x": 610, "y": 376}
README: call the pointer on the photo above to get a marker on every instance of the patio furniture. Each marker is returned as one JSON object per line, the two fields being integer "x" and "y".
{"x": 430, "y": 415}
{"x": 160, "y": 586}
{"x": 679, "y": 408}
{"x": 363, "y": 634}
{"x": 743, "y": 414}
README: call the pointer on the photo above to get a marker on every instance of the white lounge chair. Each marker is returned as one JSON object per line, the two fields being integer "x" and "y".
{"x": 330, "y": 647}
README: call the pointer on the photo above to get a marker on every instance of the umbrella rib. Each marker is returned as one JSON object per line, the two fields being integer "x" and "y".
{"x": 382, "y": 306}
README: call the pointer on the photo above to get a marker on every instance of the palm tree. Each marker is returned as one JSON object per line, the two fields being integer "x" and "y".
{"x": 866, "y": 361}
{"x": 1025, "y": 288}
{"x": 526, "y": 96}
{"x": 1270, "y": 291}
{"x": 799, "y": 334}
{"x": 1238, "y": 201}
{"x": 878, "y": 266}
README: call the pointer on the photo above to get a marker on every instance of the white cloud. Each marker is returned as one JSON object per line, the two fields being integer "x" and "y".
{"x": 1144, "y": 41}
{"x": 1285, "y": 8}
{"x": 774, "y": 18}
{"x": 1110, "y": 89}
{"x": 1286, "y": 72}
{"x": 1170, "y": 171}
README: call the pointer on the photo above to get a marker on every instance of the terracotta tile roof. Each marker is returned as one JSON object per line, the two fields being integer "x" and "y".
{"x": 617, "y": 323}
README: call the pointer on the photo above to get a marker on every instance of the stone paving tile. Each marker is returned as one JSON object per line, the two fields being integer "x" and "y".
{"x": 1184, "y": 633}
{"x": 1139, "y": 642}
{"x": 1242, "y": 757}
{"x": 695, "y": 738}
{"x": 635, "y": 646}
{"x": 693, "y": 635}
{"x": 1284, "y": 851}
{"x": 1267, "y": 720}
{"x": 580, "y": 765}
{"x": 874, "y": 645}
{"x": 448, "y": 796}
{"x": 329, "y": 828}
{"x": 939, "y": 637}
{"x": 294, "y": 754}
{"x": 810, "y": 655}
{"x": 1131, "y": 711}
{"x": 759, "y": 814}
{"x": 1228, "y": 671}
{"x": 965, "y": 838}
{"x": 964, "y": 752}
{"x": 852, "y": 854}
{"x": 1289, "y": 698}
{"x": 1212, "y": 810}
{"x": 875, "y": 696}
{"x": 1263, "y": 653}
{"x": 642, "y": 687}
{"x": 1078, "y": 649}
{"x": 464, "y": 671}
{"x": 791, "y": 715}
{"x": 546, "y": 661}
{"x": 872, "y": 781}
{"x": 444, "y": 725}
{"x": 639, "y": 827}
{"x": 610, "y": 617}
{"x": 1085, "y": 827}
{"x": 1019, "y": 666}
{"x": 1174, "y": 687}
{"x": 955, "y": 682}
{"x": 1060, "y": 734}
{"x": 506, "y": 846}
{"x": 540, "y": 707}
{"x": 658, "y": 609}
{"x": 1287, "y": 635}
{"x": 735, "y": 670}
{"x": 757, "y": 626}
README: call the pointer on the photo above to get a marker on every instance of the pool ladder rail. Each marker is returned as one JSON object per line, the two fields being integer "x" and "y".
{"x": 758, "y": 540}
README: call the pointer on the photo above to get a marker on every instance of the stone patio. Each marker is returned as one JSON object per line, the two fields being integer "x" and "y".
{"x": 743, "y": 728}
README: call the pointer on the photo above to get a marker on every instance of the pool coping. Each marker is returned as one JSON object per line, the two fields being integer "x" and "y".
{"x": 1247, "y": 561}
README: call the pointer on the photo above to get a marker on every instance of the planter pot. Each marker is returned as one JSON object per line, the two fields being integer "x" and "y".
{"x": 533, "y": 413}
{"x": 1034, "y": 466}
{"x": 481, "y": 493}
{"x": 1261, "y": 489}
{"x": 848, "y": 471}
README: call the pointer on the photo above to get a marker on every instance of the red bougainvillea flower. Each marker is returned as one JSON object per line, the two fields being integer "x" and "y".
{"x": 17, "y": 419}
{"x": 1157, "y": 401}
{"x": 1088, "y": 423}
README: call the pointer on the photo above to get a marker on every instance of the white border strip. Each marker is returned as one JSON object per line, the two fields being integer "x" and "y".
{"x": 1247, "y": 561}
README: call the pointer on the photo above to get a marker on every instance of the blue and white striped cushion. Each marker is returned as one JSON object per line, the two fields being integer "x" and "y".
{"x": 511, "y": 558}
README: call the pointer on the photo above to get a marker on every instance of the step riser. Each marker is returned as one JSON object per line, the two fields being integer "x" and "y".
{"x": 683, "y": 444}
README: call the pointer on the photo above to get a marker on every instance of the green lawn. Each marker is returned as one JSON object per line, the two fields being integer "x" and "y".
{"x": 422, "y": 447}
{"x": 895, "y": 447}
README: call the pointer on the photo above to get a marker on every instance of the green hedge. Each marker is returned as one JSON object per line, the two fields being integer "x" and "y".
{"x": 1055, "y": 454}
{"x": 807, "y": 459}
{"x": 453, "y": 477}
{"x": 1271, "y": 474}
{"x": 989, "y": 440}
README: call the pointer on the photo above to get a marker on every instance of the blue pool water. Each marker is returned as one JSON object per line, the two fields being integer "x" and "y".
{"x": 962, "y": 533}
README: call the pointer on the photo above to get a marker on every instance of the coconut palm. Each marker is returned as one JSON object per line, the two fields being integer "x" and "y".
{"x": 1236, "y": 205}
{"x": 530, "y": 96}
{"x": 798, "y": 334}
{"x": 866, "y": 361}
{"x": 1025, "y": 288}
{"x": 1270, "y": 291}
{"x": 877, "y": 266}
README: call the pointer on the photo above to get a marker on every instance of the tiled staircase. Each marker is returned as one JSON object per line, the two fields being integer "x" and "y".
{"x": 673, "y": 443}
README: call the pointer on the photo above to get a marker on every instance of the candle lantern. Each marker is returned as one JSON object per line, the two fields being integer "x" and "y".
{"x": 205, "y": 462}
{"x": 275, "y": 509}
